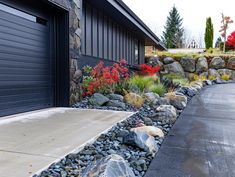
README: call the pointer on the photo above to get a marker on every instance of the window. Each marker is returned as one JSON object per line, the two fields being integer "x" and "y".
{"x": 22, "y": 14}
{"x": 136, "y": 52}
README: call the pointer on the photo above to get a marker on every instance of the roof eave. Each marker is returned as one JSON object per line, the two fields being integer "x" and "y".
{"x": 148, "y": 32}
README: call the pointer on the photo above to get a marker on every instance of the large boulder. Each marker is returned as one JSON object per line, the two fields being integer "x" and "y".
{"x": 134, "y": 99}
{"x": 225, "y": 71}
{"x": 175, "y": 68}
{"x": 113, "y": 96}
{"x": 151, "y": 97}
{"x": 188, "y": 64}
{"x": 150, "y": 130}
{"x": 110, "y": 166}
{"x": 116, "y": 103}
{"x": 178, "y": 101}
{"x": 161, "y": 101}
{"x": 202, "y": 65}
{"x": 98, "y": 99}
{"x": 165, "y": 113}
{"x": 188, "y": 91}
{"x": 189, "y": 76}
{"x": 168, "y": 60}
{"x": 213, "y": 72}
{"x": 231, "y": 63}
{"x": 154, "y": 61}
{"x": 147, "y": 121}
{"x": 233, "y": 75}
{"x": 196, "y": 85}
{"x": 217, "y": 63}
{"x": 204, "y": 74}
{"x": 142, "y": 141}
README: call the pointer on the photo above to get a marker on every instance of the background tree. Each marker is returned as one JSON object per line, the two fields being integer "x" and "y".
{"x": 174, "y": 32}
{"x": 209, "y": 33}
{"x": 218, "y": 42}
{"x": 226, "y": 20}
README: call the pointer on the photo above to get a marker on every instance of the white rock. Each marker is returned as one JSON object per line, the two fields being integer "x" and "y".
{"x": 150, "y": 130}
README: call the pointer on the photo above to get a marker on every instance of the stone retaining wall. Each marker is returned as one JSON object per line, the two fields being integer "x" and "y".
{"x": 203, "y": 67}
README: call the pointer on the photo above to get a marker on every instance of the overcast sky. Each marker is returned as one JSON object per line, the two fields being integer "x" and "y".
{"x": 193, "y": 12}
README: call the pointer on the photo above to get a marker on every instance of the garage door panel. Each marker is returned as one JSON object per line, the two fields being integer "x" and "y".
{"x": 26, "y": 78}
{"x": 5, "y": 84}
{"x": 24, "y": 90}
{"x": 24, "y": 71}
{"x": 8, "y": 111}
{"x": 25, "y": 104}
{"x": 20, "y": 46}
{"x": 24, "y": 96}
{"x": 22, "y": 52}
{"x": 12, "y": 78}
{"x": 13, "y": 57}
{"x": 19, "y": 32}
{"x": 22, "y": 39}
{"x": 19, "y": 21}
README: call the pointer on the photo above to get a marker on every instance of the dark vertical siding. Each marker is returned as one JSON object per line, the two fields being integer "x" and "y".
{"x": 84, "y": 29}
{"x": 100, "y": 36}
{"x": 110, "y": 37}
{"x": 88, "y": 30}
{"x": 118, "y": 42}
{"x": 103, "y": 38}
{"x": 94, "y": 33}
{"x": 114, "y": 41}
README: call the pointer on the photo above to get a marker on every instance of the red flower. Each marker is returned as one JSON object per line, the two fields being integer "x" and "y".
{"x": 105, "y": 78}
{"x": 149, "y": 70}
{"x": 231, "y": 41}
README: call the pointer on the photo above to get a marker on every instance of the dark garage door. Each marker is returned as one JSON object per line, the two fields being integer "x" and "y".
{"x": 26, "y": 80}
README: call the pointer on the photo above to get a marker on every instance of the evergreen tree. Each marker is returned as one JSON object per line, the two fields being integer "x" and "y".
{"x": 209, "y": 33}
{"x": 173, "y": 33}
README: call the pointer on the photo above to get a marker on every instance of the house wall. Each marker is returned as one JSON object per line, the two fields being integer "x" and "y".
{"x": 105, "y": 38}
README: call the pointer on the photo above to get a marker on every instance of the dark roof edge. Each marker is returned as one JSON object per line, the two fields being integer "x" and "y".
{"x": 135, "y": 17}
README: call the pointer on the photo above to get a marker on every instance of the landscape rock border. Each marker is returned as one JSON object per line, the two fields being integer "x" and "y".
{"x": 113, "y": 143}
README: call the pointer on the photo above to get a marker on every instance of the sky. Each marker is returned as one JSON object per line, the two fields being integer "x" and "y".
{"x": 193, "y": 12}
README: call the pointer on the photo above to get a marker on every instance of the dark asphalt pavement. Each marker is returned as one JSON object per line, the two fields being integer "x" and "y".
{"x": 202, "y": 141}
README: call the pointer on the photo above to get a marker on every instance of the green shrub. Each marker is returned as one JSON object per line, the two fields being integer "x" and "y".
{"x": 157, "y": 88}
{"x": 210, "y": 77}
{"x": 182, "y": 82}
{"x": 225, "y": 77}
{"x": 173, "y": 76}
{"x": 210, "y": 50}
{"x": 142, "y": 82}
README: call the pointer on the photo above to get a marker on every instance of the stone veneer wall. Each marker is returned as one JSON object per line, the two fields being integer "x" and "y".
{"x": 74, "y": 7}
{"x": 188, "y": 66}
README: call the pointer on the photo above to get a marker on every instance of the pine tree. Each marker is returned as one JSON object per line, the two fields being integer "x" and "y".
{"x": 173, "y": 33}
{"x": 209, "y": 33}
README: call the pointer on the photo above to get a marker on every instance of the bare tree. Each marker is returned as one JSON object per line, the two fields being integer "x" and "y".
{"x": 200, "y": 40}
{"x": 226, "y": 20}
{"x": 187, "y": 37}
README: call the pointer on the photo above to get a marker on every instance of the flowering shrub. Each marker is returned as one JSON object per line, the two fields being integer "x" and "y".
{"x": 105, "y": 79}
{"x": 230, "y": 43}
{"x": 146, "y": 69}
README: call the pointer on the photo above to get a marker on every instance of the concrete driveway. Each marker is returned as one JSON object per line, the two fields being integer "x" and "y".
{"x": 32, "y": 141}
